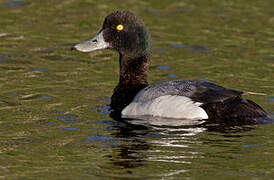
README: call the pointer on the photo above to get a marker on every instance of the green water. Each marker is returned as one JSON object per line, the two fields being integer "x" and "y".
{"x": 53, "y": 119}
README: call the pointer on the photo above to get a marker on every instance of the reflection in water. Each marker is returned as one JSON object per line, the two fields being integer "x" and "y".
{"x": 166, "y": 146}
{"x": 172, "y": 147}
{"x": 160, "y": 121}
{"x": 131, "y": 150}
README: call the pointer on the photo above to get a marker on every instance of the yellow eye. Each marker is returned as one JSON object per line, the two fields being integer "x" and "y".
{"x": 120, "y": 27}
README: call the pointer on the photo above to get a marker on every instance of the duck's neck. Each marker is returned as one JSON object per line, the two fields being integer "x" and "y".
{"x": 133, "y": 78}
{"x": 133, "y": 71}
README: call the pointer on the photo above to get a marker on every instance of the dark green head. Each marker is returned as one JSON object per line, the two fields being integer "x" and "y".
{"x": 122, "y": 31}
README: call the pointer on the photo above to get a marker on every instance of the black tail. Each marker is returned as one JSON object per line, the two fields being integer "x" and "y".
{"x": 236, "y": 110}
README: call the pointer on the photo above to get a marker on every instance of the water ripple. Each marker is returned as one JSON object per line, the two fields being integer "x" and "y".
{"x": 172, "y": 76}
{"x": 16, "y": 3}
{"x": 67, "y": 118}
{"x": 100, "y": 138}
{"x": 161, "y": 67}
{"x": 70, "y": 128}
{"x": 193, "y": 48}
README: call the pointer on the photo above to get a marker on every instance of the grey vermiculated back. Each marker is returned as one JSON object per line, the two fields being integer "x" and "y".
{"x": 199, "y": 90}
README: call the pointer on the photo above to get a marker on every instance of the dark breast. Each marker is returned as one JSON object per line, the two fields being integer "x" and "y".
{"x": 124, "y": 95}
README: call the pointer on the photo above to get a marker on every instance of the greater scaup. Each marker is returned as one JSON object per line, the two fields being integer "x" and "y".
{"x": 126, "y": 33}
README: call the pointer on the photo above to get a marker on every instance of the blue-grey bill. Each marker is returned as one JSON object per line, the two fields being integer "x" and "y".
{"x": 96, "y": 43}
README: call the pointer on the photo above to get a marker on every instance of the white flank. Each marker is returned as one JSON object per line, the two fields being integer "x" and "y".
{"x": 179, "y": 107}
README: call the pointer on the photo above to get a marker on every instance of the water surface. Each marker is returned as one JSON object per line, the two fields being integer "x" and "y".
{"x": 54, "y": 121}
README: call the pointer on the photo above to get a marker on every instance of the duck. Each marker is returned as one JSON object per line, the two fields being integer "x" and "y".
{"x": 198, "y": 99}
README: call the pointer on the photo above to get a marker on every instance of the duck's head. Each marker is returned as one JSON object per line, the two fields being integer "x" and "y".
{"x": 122, "y": 31}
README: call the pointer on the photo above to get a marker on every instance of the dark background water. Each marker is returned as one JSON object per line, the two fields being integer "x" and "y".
{"x": 53, "y": 120}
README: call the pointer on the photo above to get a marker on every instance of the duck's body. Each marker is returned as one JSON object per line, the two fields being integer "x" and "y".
{"x": 185, "y": 99}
